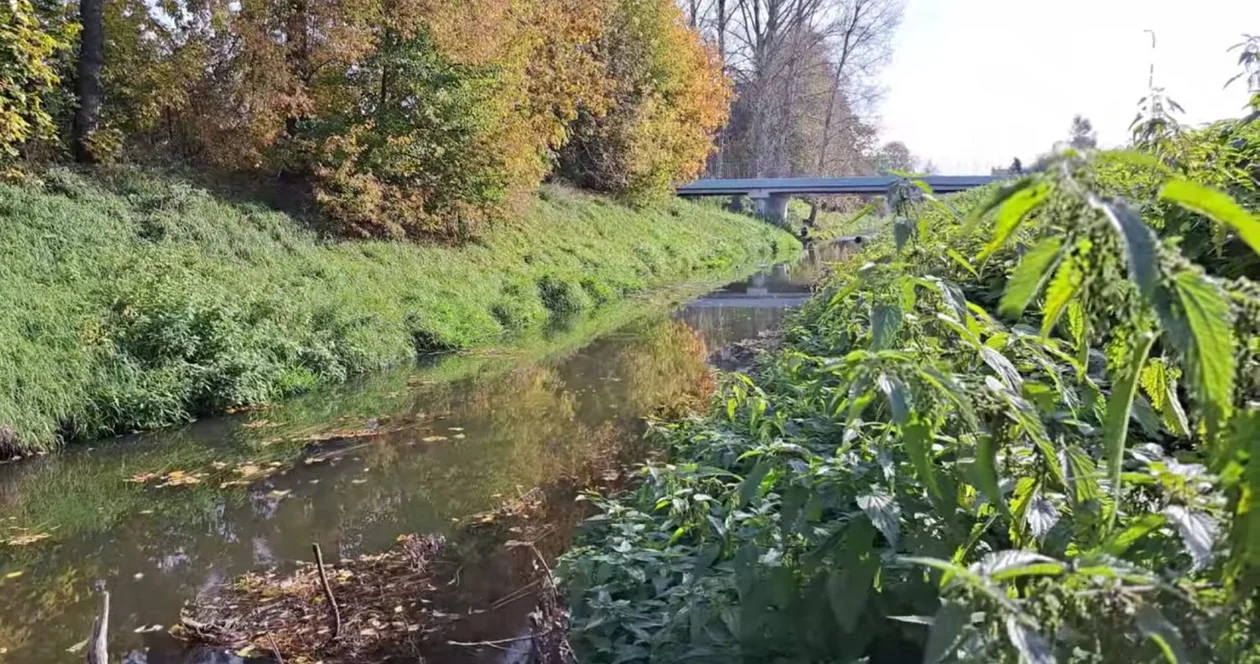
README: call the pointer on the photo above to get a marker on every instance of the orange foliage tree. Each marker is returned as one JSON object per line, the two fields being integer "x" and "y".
{"x": 669, "y": 97}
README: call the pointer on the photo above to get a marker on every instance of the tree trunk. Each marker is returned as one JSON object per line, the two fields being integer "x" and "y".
{"x": 88, "y": 85}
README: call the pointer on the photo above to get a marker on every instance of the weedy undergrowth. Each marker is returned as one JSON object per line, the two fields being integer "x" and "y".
{"x": 1018, "y": 429}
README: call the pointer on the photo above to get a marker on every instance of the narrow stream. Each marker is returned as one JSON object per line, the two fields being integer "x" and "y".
{"x": 409, "y": 451}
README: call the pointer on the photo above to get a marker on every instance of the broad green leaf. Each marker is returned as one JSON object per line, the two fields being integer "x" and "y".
{"x": 917, "y": 439}
{"x": 1120, "y": 541}
{"x": 1139, "y": 243}
{"x": 987, "y": 475}
{"x": 883, "y": 511}
{"x": 951, "y": 390}
{"x": 1042, "y": 516}
{"x": 1206, "y": 339}
{"x": 885, "y": 322}
{"x": 1028, "y": 276}
{"x": 1067, "y": 282}
{"x": 1031, "y": 646}
{"x": 902, "y": 230}
{"x": 1246, "y": 444}
{"x": 1198, "y": 533}
{"x": 849, "y": 587}
{"x": 1156, "y": 627}
{"x": 1003, "y": 368}
{"x": 1119, "y": 409}
{"x": 1215, "y": 205}
{"x": 995, "y": 199}
{"x": 1012, "y": 563}
{"x": 947, "y": 629}
{"x": 1136, "y": 158}
{"x": 898, "y": 396}
{"x": 751, "y": 485}
{"x": 1013, "y": 212}
{"x": 962, "y": 262}
{"x": 1083, "y": 476}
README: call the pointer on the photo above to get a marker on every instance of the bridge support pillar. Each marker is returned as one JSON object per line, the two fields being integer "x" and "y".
{"x": 770, "y": 206}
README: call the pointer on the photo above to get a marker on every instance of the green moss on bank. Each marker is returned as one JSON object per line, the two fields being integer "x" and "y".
{"x": 146, "y": 301}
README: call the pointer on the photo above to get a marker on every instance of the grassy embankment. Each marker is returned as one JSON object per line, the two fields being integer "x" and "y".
{"x": 1025, "y": 434}
{"x": 135, "y": 301}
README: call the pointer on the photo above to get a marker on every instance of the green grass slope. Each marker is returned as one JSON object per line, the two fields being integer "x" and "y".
{"x": 136, "y": 301}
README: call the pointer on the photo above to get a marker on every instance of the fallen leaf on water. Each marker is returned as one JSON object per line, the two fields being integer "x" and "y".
{"x": 433, "y": 439}
{"x": 248, "y": 470}
{"x": 456, "y": 428}
{"x": 180, "y": 478}
{"x": 218, "y": 465}
{"x": 357, "y": 481}
{"x": 76, "y": 647}
{"x": 246, "y": 651}
{"x": 280, "y": 494}
{"x": 138, "y": 576}
{"x": 459, "y": 436}
{"x": 258, "y": 424}
{"x": 146, "y": 512}
{"x": 141, "y": 478}
{"x": 13, "y": 575}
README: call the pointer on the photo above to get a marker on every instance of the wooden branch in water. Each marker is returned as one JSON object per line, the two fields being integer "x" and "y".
{"x": 328, "y": 593}
{"x": 98, "y": 643}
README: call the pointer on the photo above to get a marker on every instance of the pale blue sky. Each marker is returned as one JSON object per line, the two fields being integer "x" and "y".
{"x": 974, "y": 83}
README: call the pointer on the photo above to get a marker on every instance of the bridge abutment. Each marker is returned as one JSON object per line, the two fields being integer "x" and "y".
{"x": 770, "y": 206}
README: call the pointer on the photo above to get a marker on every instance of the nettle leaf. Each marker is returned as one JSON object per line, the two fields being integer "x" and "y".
{"x": 1031, "y": 646}
{"x": 1139, "y": 243}
{"x": 947, "y": 631}
{"x": 1042, "y": 516}
{"x": 1206, "y": 339}
{"x": 1156, "y": 627}
{"x": 849, "y": 587}
{"x": 885, "y": 323}
{"x": 1083, "y": 476}
{"x": 898, "y": 395}
{"x": 1003, "y": 368}
{"x": 1029, "y": 276}
{"x": 917, "y": 439}
{"x": 1198, "y": 533}
{"x": 1144, "y": 525}
{"x": 996, "y": 199}
{"x": 750, "y": 487}
{"x": 1215, "y": 205}
{"x": 1119, "y": 409}
{"x": 883, "y": 511}
{"x": 1013, "y": 563}
{"x": 987, "y": 475}
{"x": 1014, "y": 210}
{"x": 1067, "y": 282}
{"x": 902, "y": 231}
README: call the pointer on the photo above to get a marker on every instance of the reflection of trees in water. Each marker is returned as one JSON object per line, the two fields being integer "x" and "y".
{"x": 525, "y": 428}
{"x": 722, "y": 326}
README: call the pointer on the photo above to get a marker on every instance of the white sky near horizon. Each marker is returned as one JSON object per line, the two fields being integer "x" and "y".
{"x": 974, "y": 83}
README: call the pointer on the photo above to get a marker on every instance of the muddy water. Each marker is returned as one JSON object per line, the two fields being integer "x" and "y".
{"x": 414, "y": 450}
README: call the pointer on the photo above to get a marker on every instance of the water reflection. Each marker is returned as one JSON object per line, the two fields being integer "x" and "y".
{"x": 449, "y": 448}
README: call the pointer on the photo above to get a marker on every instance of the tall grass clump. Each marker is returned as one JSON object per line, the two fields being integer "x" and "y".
{"x": 134, "y": 300}
{"x": 1022, "y": 427}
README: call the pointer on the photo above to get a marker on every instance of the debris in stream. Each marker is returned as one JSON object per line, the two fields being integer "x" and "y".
{"x": 380, "y": 597}
{"x": 23, "y": 537}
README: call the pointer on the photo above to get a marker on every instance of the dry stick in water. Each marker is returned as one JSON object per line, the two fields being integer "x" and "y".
{"x": 98, "y": 643}
{"x": 328, "y": 594}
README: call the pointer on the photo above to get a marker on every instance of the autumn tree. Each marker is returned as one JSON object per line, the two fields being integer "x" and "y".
{"x": 668, "y": 99}
{"x": 28, "y": 76}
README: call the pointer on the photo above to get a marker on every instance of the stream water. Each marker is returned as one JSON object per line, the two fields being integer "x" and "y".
{"x": 409, "y": 451}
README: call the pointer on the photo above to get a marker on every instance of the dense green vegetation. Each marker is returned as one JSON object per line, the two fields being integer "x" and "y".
{"x": 392, "y": 118}
{"x": 1022, "y": 427}
{"x": 135, "y": 301}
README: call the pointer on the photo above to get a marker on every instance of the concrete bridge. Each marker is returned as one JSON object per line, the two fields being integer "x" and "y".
{"x": 771, "y": 195}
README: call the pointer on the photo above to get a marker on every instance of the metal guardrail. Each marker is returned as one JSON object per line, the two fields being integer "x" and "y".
{"x": 849, "y": 185}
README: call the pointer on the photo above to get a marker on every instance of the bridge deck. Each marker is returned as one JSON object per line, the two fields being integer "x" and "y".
{"x": 850, "y": 185}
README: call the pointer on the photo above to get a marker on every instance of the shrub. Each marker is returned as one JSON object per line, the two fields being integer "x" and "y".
{"x": 1026, "y": 440}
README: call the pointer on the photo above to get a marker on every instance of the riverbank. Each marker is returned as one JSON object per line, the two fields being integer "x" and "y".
{"x": 136, "y": 300}
{"x": 943, "y": 463}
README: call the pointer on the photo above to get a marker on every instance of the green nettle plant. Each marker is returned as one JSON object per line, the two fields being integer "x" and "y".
{"x": 1249, "y": 59}
{"x": 1022, "y": 433}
